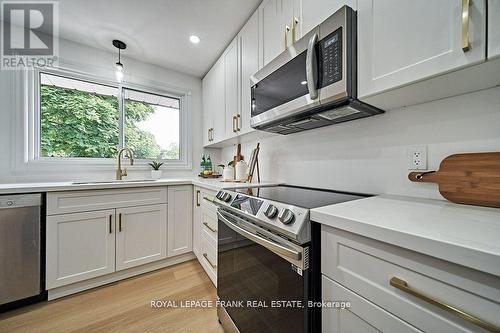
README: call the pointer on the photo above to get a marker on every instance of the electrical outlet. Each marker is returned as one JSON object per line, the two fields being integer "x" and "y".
{"x": 417, "y": 157}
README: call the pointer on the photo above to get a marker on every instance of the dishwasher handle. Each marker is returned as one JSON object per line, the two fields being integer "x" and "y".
{"x": 20, "y": 200}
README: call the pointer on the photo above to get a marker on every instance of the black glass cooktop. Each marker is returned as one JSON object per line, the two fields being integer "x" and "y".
{"x": 300, "y": 196}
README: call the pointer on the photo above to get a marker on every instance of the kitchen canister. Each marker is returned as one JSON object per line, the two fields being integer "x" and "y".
{"x": 228, "y": 173}
{"x": 241, "y": 170}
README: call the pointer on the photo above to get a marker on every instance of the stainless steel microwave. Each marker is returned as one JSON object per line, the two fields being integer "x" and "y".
{"x": 313, "y": 83}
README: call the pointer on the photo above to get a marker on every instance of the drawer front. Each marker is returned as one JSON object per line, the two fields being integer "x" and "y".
{"x": 208, "y": 258}
{"x": 361, "y": 316}
{"x": 82, "y": 201}
{"x": 366, "y": 266}
{"x": 209, "y": 224}
{"x": 207, "y": 197}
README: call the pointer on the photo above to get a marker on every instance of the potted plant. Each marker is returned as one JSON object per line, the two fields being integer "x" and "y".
{"x": 156, "y": 172}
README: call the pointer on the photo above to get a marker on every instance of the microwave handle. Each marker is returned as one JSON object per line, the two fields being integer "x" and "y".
{"x": 312, "y": 67}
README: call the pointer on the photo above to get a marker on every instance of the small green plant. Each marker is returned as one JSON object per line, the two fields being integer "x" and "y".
{"x": 156, "y": 165}
{"x": 230, "y": 163}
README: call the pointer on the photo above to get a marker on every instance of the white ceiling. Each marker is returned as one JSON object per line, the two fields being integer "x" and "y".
{"x": 157, "y": 31}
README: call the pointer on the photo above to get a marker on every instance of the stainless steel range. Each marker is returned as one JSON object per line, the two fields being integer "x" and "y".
{"x": 268, "y": 253}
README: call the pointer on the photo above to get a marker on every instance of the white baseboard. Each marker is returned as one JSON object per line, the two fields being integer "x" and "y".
{"x": 116, "y": 276}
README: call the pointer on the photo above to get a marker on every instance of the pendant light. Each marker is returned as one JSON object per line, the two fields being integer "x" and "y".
{"x": 119, "y": 66}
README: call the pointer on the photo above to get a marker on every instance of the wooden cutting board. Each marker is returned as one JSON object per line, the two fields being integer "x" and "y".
{"x": 471, "y": 179}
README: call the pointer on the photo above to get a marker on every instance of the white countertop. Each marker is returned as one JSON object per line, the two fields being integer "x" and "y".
{"x": 466, "y": 235}
{"x": 212, "y": 184}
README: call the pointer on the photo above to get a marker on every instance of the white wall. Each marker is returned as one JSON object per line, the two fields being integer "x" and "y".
{"x": 370, "y": 155}
{"x": 98, "y": 62}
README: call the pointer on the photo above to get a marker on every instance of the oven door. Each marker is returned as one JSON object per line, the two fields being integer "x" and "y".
{"x": 256, "y": 267}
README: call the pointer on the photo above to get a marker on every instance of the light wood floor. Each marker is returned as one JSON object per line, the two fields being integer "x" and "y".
{"x": 125, "y": 306}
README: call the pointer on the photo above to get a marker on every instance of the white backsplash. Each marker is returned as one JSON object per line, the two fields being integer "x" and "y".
{"x": 371, "y": 155}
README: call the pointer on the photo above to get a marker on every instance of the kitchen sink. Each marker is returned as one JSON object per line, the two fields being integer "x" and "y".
{"x": 115, "y": 181}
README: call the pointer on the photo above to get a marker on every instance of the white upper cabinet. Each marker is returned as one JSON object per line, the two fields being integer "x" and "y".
{"x": 316, "y": 11}
{"x": 249, "y": 61}
{"x": 231, "y": 84}
{"x": 493, "y": 28}
{"x": 273, "y": 29}
{"x": 141, "y": 235}
{"x": 280, "y": 25}
{"x": 180, "y": 220}
{"x": 208, "y": 86}
{"x": 214, "y": 103}
{"x": 404, "y": 41}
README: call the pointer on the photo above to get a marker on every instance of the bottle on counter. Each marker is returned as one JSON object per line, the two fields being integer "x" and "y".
{"x": 209, "y": 164}
{"x": 203, "y": 164}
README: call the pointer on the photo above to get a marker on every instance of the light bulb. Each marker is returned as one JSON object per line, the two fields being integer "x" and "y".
{"x": 119, "y": 71}
{"x": 194, "y": 39}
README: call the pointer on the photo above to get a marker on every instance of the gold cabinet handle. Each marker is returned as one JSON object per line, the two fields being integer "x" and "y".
{"x": 294, "y": 29}
{"x": 235, "y": 124}
{"x": 287, "y": 29}
{"x": 120, "y": 222}
{"x": 205, "y": 255}
{"x": 209, "y": 227}
{"x": 197, "y": 198}
{"x": 238, "y": 122}
{"x": 465, "y": 25}
{"x": 209, "y": 200}
{"x": 209, "y": 134}
{"x": 403, "y": 285}
{"x": 110, "y": 221}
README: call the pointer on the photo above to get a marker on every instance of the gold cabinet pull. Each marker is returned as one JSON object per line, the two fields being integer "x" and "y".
{"x": 403, "y": 285}
{"x": 209, "y": 200}
{"x": 120, "y": 222}
{"x": 287, "y": 29}
{"x": 465, "y": 25}
{"x": 238, "y": 122}
{"x": 209, "y": 227}
{"x": 205, "y": 255}
{"x": 110, "y": 227}
{"x": 197, "y": 198}
{"x": 235, "y": 124}
{"x": 294, "y": 29}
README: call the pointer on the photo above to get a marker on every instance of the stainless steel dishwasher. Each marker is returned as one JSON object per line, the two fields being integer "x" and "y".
{"x": 20, "y": 247}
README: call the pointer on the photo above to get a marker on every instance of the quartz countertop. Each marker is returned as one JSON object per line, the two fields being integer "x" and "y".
{"x": 212, "y": 184}
{"x": 462, "y": 234}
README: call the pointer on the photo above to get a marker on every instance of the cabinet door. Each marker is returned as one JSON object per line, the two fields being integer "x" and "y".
{"x": 493, "y": 28}
{"x": 219, "y": 106}
{"x": 141, "y": 235}
{"x": 231, "y": 85}
{"x": 316, "y": 11}
{"x": 403, "y": 41}
{"x": 273, "y": 29}
{"x": 80, "y": 246}
{"x": 361, "y": 317}
{"x": 197, "y": 229}
{"x": 292, "y": 17}
{"x": 249, "y": 55}
{"x": 180, "y": 220}
{"x": 208, "y": 84}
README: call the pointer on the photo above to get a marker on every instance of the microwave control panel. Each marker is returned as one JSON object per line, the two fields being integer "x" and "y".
{"x": 330, "y": 58}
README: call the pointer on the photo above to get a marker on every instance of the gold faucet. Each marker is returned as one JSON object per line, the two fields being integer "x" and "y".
{"x": 119, "y": 172}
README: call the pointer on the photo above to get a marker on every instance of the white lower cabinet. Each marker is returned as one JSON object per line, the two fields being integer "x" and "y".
{"x": 398, "y": 284}
{"x": 205, "y": 233}
{"x": 80, "y": 246}
{"x": 141, "y": 235}
{"x": 180, "y": 220}
{"x": 133, "y": 227}
{"x": 361, "y": 316}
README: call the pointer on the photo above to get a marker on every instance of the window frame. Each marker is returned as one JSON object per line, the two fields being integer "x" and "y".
{"x": 184, "y": 145}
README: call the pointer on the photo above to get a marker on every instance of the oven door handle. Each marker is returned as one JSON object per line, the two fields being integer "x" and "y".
{"x": 312, "y": 67}
{"x": 273, "y": 246}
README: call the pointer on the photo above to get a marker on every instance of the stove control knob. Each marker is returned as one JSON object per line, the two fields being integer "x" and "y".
{"x": 219, "y": 195}
{"x": 271, "y": 211}
{"x": 226, "y": 197}
{"x": 286, "y": 216}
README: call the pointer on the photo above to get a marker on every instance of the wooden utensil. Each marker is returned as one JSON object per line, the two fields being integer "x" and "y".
{"x": 238, "y": 157}
{"x": 471, "y": 179}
